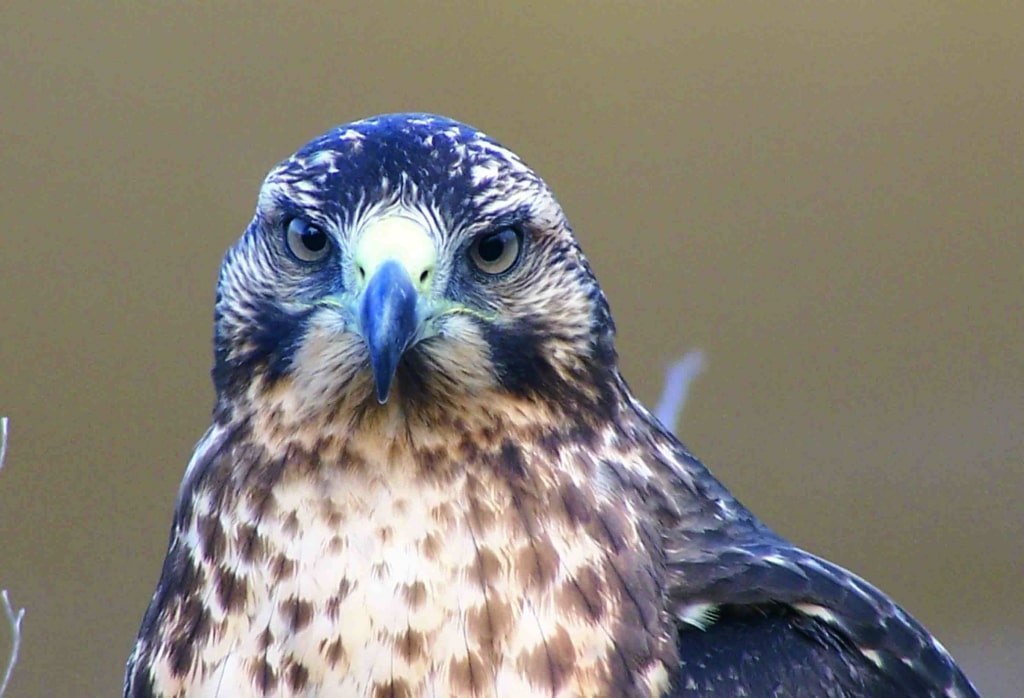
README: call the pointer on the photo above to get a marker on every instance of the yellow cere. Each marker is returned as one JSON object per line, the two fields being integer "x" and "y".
{"x": 401, "y": 239}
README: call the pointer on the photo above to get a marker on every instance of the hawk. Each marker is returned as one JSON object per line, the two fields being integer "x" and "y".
{"x": 426, "y": 476}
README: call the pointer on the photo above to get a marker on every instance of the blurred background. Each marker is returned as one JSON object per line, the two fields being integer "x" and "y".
{"x": 827, "y": 199}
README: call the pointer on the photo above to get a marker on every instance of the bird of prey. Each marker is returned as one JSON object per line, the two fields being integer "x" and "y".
{"x": 426, "y": 476}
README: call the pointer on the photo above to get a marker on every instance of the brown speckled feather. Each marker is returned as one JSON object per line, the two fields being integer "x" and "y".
{"x": 489, "y": 555}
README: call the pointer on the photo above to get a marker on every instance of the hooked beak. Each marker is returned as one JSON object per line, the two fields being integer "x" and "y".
{"x": 396, "y": 256}
{"x": 389, "y": 323}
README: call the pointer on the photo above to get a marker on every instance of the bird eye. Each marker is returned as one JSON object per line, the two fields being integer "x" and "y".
{"x": 496, "y": 253}
{"x": 307, "y": 242}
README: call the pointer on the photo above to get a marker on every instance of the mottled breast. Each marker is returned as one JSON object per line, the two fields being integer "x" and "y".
{"x": 464, "y": 569}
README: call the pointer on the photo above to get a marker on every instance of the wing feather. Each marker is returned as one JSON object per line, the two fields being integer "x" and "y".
{"x": 773, "y": 619}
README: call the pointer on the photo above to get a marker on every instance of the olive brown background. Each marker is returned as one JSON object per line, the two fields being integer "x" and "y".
{"x": 826, "y": 198}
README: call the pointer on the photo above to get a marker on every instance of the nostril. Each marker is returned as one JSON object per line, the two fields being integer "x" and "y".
{"x": 424, "y": 276}
{"x": 362, "y": 273}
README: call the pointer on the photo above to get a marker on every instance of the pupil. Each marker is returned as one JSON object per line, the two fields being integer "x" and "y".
{"x": 314, "y": 240}
{"x": 492, "y": 247}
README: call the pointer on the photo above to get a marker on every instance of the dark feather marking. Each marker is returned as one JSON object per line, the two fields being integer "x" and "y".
{"x": 270, "y": 337}
{"x": 577, "y": 504}
{"x": 550, "y": 659}
{"x": 395, "y": 688}
{"x": 262, "y": 477}
{"x": 465, "y": 674}
{"x": 265, "y": 638}
{"x": 193, "y": 626}
{"x": 430, "y": 459}
{"x": 550, "y": 442}
{"x": 231, "y": 588}
{"x": 585, "y": 592}
{"x": 537, "y": 563}
{"x": 264, "y": 675}
{"x": 524, "y": 369}
{"x": 564, "y": 652}
{"x": 297, "y": 675}
{"x": 252, "y": 545}
{"x": 298, "y": 613}
{"x": 333, "y": 651}
{"x": 212, "y": 540}
{"x": 469, "y": 449}
{"x": 290, "y": 524}
{"x": 412, "y": 645}
{"x": 511, "y": 460}
{"x": 333, "y": 607}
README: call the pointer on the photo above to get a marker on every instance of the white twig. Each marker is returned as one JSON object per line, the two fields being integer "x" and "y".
{"x": 3, "y": 440}
{"x": 14, "y": 618}
{"x": 677, "y": 385}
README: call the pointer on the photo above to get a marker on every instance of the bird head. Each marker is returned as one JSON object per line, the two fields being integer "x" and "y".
{"x": 408, "y": 259}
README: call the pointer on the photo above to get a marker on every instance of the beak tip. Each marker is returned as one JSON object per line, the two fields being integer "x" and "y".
{"x": 383, "y": 390}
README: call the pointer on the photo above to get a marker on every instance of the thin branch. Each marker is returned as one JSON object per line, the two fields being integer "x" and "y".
{"x": 13, "y": 617}
{"x": 677, "y": 385}
{"x": 3, "y": 440}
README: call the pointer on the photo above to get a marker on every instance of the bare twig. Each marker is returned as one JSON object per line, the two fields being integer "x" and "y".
{"x": 677, "y": 384}
{"x": 3, "y": 440}
{"x": 13, "y": 617}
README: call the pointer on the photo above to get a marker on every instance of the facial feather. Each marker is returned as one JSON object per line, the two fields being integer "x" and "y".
{"x": 533, "y": 329}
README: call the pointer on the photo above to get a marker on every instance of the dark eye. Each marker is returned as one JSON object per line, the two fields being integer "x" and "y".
{"x": 497, "y": 252}
{"x": 306, "y": 241}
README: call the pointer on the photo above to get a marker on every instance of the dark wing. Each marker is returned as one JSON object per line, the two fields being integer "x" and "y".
{"x": 771, "y": 650}
{"x": 757, "y": 616}
{"x": 772, "y": 620}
